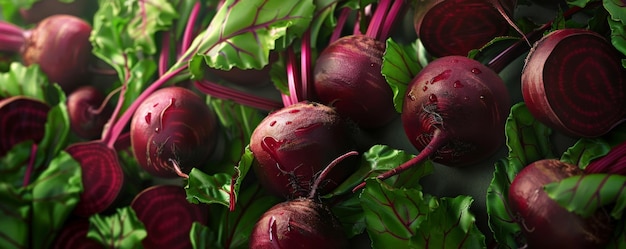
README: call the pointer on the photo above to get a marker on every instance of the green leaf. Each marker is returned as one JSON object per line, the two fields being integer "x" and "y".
{"x": 382, "y": 158}
{"x": 55, "y": 194}
{"x": 23, "y": 80}
{"x": 351, "y": 215}
{"x": 528, "y": 140}
{"x": 204, "y": 188}
{"x": 57, "y": 129}
{"x": 400, "y": 65}
{"x": 618, "y": 35}
{"x": 13, "y": 164}
{"x": 584, "y": 151}
{"x": 584, "y": 194}
{"x": 392, "y": 215}
{"x": 579, "y": 3}
{"x": 617, "y": 9}
{"x": 120, "y": 230}
{"x": 15, "y": 208}
{"x": 449, "y": 225}
{"x": 201, "y": 237}
{"x": 244, "y": 40}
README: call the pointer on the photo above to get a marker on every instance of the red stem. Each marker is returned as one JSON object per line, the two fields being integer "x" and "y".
{"x": 373, "y": 29}
{"x": 326, "y": 170}
{"x": 188, "y": 34}
{"x": 292, "y": 79}
{"x": 613, "y": 162}
{"x": 437, "y": 141}
{"x": 12, "y": 37}
{"x": 305, "y": 66}
{"x": 164, "y": 56}
{"x": 31, "y": 165}
{"x": 341, "y": 22}
{"x": 391, "y": 19}
{"x": 223, "y": 92}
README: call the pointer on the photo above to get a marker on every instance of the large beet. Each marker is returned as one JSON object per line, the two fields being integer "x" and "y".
{"x": 299, "y": 223}
{"x": 293, "y": 145}
{"x": 546, "y": 224}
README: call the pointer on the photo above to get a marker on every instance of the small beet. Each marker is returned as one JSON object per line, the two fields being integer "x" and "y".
{"x": 347, "y": 76}
{"x": 102, "y": 176}
{"x": 22, "y": 119}
{"x": 87, "y": 112}
{"x": 167, "y": 216}
{"x": 293, "y": 145}
{"x": 544, "y": 223}
{"x": 299, "y": 223}
{"x": 172, "y": 131}
{"x": 574, "y": 82}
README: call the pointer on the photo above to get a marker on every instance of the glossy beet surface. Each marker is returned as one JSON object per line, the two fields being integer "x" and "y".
{"x": 292, "y": 145}
{"x": 348, "y": 77}
{"x": 173, "y": 128}
{"x": 167, "y": 216}
{"x": 544, "y": 223}
{"x": 463, "y": 99}
{"x": 60, "y": 45}
{"x": 574, "y": 82}
{"x": 300, "y": 223}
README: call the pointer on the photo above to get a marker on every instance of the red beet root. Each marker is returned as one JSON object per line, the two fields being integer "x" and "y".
{"x": 348, "y": 77}
{"x": 299, "y": 223}
{"x": 546, "y": 224}
{"x": 167, "y": 216}
{"x": 22, "y": 119}
{"x": 293, "y": 145}
{"x": 454, "y": 27}
{"x": 74, "y": 235}
{"x": 172, "y": 131}
{"x": 574, "y": 82}
{"x": 87, "y": 112}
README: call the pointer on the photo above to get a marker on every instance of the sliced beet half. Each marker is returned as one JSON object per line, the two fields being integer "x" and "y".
{"x": 574, "y": 82}
{"x": 102, "y": 176}
{"x": 22, "y": 119}
{"x": 74, "y": 235}
{"x": 167, "y": 216}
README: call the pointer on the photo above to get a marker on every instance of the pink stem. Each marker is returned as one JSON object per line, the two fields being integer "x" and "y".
{"x": 31, "y": 165}
{"x": 164, "y": 56}
{"x": 391, "y": 19}
{"x": 292, "y": 79}
{"x": 373, "y": 29}
{"x": 326, "y": 170}
{"x": 609, "y": 162}
{"x": 188, "y": 34}
{"x": 341, "y": 22}
{"x": 12, "y": 37}
{"x": 305, "y": 66}
{"x": 223, "y": 92}
{"x": 437, "y": 141}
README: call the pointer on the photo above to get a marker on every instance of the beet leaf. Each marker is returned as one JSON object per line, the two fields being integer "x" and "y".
{"x": 245, "y": 42}
{"x": 528, "y": 141}
{"x": 379, "y": 159}
{"x": 400, "y": 65}
{"x": 449, "y": 225}
{"x": 586, "y": 150}
{"x": 584, "y": 194}
{"x": 119, "y": 230}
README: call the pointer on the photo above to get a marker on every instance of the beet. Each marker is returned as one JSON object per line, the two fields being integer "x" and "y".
{"x": 88, "y": 112}
{"x": 74, "y": 235}
{"x": 172, "y": 131}
{"x": 293, "y": 145}
{"x": 347, "y": 76}
{"x": 22, "y": 119}
{"x": 101, "y": 174}
{"x": 59, "y": 44}
{"x": 574, "y": 82}
{"x": 167, "y": 216}
{"x": 454, "y": 111}
{"x": 454, "y": 27}
{"x": 544, "y": 223}
{"x": 298, "y": 223}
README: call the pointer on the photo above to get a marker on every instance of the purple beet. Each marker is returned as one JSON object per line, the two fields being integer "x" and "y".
{"x": 88, "y": 112}
{"x": 293, "y": 145}
{"x": 22, "y": 119}
{"x": 173, "y": 131}
{"x": 59, "y": 44}
{"x": 544, "y": 223}
{"x": 74, "y": 235}
{"x": 299, "y": 223}
{"x": 454, "y": 113}
{"x": 574, "y": 82}
{"x": 454, "y": 27}
{"x": 167, "y": 216}
{"x": 347, "y": 76}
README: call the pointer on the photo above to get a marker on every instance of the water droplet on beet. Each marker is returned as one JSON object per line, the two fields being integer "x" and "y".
{"x": 442, "y": 76}
{"x": 411, "y": 96}
{"x": 273, "y": 123}
{"x": 476, "y": 71}
{"x": 271, "y": 146}
{"x": 432, "y": 98}
{"x": 148, "y": 118}
{"x": 482, "y": 97}
{"x": 155, "y": 105}
{"x": 157, "y": 130}
{"x": 372, "y": 65}
{"x": 457, "y": 84}
{"x": 288, "y": 122}
{"x": 294, "y": 111}
{"x": 425, "y": 88}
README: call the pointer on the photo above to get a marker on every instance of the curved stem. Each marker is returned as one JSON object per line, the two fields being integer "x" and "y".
{"x": 12, "y": 37}
{"x": 397, "y": 8}
{"x": 223, "y": 92}
{"x": 341, "y": 22}
{"x": 106, "y": 100}
{"x": 373, "y": 29}
{"x": 188, "y": 34}
{"x": 326, "y": 170}
{"x": 437, "y": 141}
